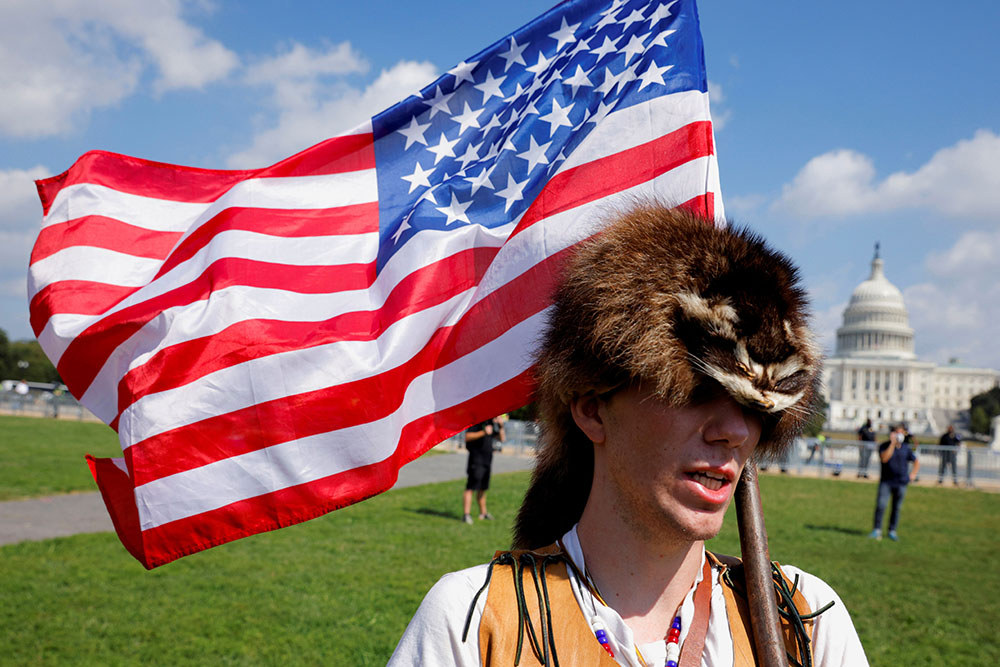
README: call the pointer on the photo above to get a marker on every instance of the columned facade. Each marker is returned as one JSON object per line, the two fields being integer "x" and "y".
{"x": 875, "y": 374}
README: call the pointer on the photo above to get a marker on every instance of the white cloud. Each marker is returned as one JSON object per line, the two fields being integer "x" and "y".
{"x": 310, "y": 110}
{"x": 61, "y": 59}
{"x": 20, "y": 220}
{"x": 961, "y": 181}
{"x": 957, "y": 314}
{"x": 717, "y": 98}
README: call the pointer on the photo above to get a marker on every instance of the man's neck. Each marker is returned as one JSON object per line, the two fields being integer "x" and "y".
{"x": 643, "y": 579}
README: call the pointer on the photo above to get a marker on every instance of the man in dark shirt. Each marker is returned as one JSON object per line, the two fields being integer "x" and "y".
{"x": 867, "y": 436}
{"x": 949, "y": 449}
{"x": 896, "y": 457}
{"x": 479, "y": 441}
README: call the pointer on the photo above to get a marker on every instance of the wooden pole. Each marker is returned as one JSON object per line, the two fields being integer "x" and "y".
{"x": 757, "y": 567}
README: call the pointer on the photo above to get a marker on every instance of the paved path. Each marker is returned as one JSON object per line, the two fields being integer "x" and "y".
{"x": 59, "y": 516}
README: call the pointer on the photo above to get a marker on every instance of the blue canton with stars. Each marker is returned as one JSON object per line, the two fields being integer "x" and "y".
{"x": 479, "y": 144}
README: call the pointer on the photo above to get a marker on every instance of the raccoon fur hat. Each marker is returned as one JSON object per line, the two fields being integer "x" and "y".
{"x": 663, "y": 297}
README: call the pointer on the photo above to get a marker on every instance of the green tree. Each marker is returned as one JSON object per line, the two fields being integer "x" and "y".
{"x": 6, "y": 361}
{"x": 817, "y": 421}
{"x": 30, "y": 363}
{"x": 983, "y": 408}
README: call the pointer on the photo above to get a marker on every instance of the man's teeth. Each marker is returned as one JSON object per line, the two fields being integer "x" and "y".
{"x": 712, "y": 482}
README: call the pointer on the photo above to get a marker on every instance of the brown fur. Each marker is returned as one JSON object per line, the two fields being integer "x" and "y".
{"x": 663, "y": 297}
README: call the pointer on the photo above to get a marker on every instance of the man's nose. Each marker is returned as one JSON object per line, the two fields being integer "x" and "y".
{"x": 728, "y": 423}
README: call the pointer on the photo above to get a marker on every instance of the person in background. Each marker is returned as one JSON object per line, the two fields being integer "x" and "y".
{"x": 479, "y": 441}
{"x": 896, "y": 457}
{"x": 949, "y": 443}
{"x": 867, "y": 437}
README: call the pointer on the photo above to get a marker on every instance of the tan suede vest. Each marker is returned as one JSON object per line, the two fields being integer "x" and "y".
{"x": 571, "y": 634}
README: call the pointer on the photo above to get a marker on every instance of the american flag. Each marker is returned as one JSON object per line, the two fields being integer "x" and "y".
{"x": 276, "y": 343}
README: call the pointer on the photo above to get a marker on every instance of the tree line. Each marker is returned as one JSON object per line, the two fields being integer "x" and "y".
{"x": 24, "y": 360}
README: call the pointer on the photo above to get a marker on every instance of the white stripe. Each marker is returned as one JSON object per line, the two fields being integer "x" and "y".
{"x": 312, "y": 458}
{"x": 121, "y": 270}
{"x": 91, "y": 264}
{"x": 286, "y": 374}
{"x": 286, "y": 192}
{"x": 638, "y": 124}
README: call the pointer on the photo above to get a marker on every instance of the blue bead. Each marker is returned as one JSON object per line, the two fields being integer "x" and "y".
{"x": 602, "y": 636}
{"x": 676, "y": 623}
{"x": 671, "y": 663}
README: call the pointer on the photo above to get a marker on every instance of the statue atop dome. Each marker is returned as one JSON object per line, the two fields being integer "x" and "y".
{"x": 876, "y": 322}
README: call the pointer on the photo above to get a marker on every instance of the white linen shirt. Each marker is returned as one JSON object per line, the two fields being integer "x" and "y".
{"x": 434, "y": 634}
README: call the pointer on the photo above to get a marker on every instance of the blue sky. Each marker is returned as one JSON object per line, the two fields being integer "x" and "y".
{"x": 838, "y": 124}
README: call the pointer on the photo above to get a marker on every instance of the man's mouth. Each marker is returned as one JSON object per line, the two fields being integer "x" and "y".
{"x": 709, "y": 480}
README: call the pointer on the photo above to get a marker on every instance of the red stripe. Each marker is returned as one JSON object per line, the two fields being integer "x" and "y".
{"x": 87, "y": 353}
{"x": 295, "y": 223}
{"x": 606, "y": 176}
{"x": 185, "y": 362}
{"x": 345, "y": 405}
{"x": 296, "y": 504}
{"x": 703, "y": 205}
{"x": 98, "y": 231}
{"x": 119, "y": 497}
{"x": 159, "y": 180}
{"x": 76, "y": 297}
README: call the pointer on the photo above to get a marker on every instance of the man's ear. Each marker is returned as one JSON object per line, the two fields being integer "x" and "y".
{"x": 586, "y": 411}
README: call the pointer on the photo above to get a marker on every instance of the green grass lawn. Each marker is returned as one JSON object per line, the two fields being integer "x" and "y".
{"x": 45, "y": 456}
{"x": 340, "y": 589}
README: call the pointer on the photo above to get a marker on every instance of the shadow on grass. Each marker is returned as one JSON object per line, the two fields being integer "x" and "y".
{"x": 837, "y": 529}
{"x": 455, "y": 516}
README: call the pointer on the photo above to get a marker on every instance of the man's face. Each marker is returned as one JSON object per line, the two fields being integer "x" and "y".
{"x": 674, "y": 469}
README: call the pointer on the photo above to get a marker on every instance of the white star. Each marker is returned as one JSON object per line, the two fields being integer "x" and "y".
{"x": 463, "y": 72}
{"x": 471, "y": 154}
{"x": 542, "y": 63}
{"x": 439, "y": 103}
{"x": 414, "y": 133}
{"x": 494, "y": 121}
{"x": 635, "y": 17}
{"x": 467, "y": 119}
{"x": 661, "y": 12}
{"x": 490, "y": 87}
{"x": 513, "y": 54}
{"x": 653, "y": 74}
{"x": 605, "y": 21}
{"x": 580, "y": 46}
{"x": 418, "y": 177}
{"x": 633, "y": 47}
{"x": 455, "y": 210}
{"x": 481, "y": 179}
{"x": 599, "y": 114}
{"x": 564, "y": 35}
{"x": 615, "y": 6}
{"x": 403, "y": 226}
{"x": 661, "y": 39}
{"x": 610, "y": 81}
{"x": 559, "y": 116}
{"x": 578, "y": 79}
{"x": 513, "y": 192}
{"x": 516, "y": 94}
{"x": 444, "y": 148}
{"x": 607, "y": 47}
{"x": 535, "y": 154}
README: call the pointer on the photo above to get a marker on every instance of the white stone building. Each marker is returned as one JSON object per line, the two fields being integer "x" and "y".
{"x": 875, "y": 374}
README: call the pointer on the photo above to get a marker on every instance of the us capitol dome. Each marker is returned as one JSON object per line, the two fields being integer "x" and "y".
{"x": 875, "y": 374}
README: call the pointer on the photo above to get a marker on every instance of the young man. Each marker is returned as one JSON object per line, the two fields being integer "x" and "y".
{"x": 949, "y": 443}
{"x": 896, "y": 457}
{"x": 479, "y": 441}
{"x": 866, "y": 434}
{"x": 674, "y": 353}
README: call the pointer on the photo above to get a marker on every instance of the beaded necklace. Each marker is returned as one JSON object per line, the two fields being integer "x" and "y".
{"x": 673, "y": 634}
